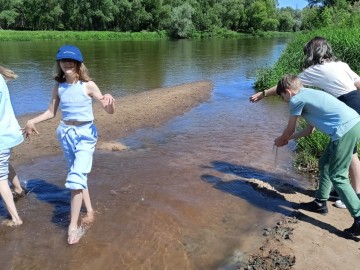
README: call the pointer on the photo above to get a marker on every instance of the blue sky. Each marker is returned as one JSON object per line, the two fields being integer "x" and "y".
{"x": 293, "y": 3}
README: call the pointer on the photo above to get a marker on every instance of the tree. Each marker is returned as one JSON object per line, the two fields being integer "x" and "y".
{"x": 286, "y": 20}
{"x": 261, "y": 14}
{"x": 233, "y": 14}
{"x": 9, "y": 12}
{"x": 181, "y": 25}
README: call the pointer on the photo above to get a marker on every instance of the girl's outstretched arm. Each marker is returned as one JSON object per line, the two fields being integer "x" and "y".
{"x": 30, "y": 128}
{"x": 107, "y": 100}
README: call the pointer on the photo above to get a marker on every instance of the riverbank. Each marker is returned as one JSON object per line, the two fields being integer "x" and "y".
{"x": 147, "y": 109}
{"x": 309, "y": 241}
{"x": 305, "y": 240}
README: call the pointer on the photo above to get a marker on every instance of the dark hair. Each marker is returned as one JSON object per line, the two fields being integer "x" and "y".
{"x": 317, "y": 51}
{"x": 288, "y": 82}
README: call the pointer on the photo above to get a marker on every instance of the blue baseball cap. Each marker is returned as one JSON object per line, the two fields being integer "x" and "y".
{"x": 69, "y": 52}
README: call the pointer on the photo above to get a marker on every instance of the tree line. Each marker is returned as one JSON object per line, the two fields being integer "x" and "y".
{"x": 179, "y": 18}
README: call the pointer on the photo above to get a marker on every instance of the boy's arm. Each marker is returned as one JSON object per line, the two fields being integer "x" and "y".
{"x": 303, "y": 133}
{"x": 284, "y": 138}
{"x": 288, "y": 133}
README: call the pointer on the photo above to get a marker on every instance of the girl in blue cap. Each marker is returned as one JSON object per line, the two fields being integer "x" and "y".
{"x": 76, "y": 133}
{"x": 10, "y": 136}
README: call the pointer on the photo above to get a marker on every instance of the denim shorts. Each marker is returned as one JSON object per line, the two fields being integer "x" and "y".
{"x": 4, "y": 164}
{"x": 352, "y": 99}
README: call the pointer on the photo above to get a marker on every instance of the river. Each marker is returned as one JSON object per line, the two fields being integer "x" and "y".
{"x": 178, "y": 199}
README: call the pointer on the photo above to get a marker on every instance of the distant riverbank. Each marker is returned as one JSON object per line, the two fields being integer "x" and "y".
{"x": 15, "y": 35}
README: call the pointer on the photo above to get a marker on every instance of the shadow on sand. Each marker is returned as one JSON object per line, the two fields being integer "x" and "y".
{"x": 268, "y": 196}
{"x": 54, "y": 195}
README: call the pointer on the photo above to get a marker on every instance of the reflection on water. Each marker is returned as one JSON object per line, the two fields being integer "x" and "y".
{"x": 178, "y": 198}
{"x": 127, "y": 67}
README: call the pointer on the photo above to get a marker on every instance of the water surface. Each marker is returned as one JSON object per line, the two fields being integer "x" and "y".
{"x": 178, "y": 198}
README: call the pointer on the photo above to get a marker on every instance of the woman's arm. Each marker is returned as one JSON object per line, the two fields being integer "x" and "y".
{"x": 107, "y": 100}
{"x": 260, "y": 95}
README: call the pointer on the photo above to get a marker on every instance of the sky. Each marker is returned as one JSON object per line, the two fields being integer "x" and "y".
{"x": 296, "y": 4}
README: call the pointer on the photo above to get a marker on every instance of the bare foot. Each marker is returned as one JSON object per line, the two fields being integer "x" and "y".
{"x": 88, "y": 219}
{"x": 11, "y": 223}
{"x": 17, "y": 194}
{"x": 74, "y": 235}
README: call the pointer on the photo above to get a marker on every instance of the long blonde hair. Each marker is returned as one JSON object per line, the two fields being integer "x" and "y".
{"x": 82, "y": 72}
{"x": 7, "y": 73}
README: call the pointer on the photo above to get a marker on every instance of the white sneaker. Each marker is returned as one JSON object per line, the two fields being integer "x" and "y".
{"x": 340, "y": 204}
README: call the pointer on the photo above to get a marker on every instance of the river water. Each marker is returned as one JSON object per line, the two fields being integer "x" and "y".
{"x": 178, "y": 198}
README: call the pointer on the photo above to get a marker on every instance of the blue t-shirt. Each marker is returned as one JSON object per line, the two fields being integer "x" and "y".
{"x": 10, "y": 133}
{"x": 323, "y": 111}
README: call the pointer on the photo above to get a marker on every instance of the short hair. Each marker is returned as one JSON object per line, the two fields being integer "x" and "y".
{"x": 288, "y": 82}
{"x": 317, "y": 51}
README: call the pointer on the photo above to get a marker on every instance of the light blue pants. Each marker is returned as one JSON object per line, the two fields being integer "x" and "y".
{"x": 78, "y": 144}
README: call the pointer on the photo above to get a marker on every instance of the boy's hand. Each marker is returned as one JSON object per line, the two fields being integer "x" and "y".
{"x": 280, "y": 141}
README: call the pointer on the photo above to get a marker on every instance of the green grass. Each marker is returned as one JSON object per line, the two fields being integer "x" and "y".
{"x": 345, "y": 44}
{"x": 12, "y": 35}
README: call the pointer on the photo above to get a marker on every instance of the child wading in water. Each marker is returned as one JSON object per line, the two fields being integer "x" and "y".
{"x": 10, "y": 136}
{"x": 76, "y": 133}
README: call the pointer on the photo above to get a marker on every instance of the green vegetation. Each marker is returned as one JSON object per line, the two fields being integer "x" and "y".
{"x": 7, "y": 35}
{"x": 346, "y": 46}
{"x": 176, "y": 18}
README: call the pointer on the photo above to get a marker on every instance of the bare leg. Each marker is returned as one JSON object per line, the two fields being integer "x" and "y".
{"x": 75, "y": 232}
{"x": 9, "y": 203}
{"x": 14, "y": 180}
{"x": 88, "y": 219}
{"x": 355, "y": 172}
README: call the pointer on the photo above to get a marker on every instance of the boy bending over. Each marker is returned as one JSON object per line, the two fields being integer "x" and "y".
{"x": 333, "y": 117}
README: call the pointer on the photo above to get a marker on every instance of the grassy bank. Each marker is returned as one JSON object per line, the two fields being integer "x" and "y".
{"x": 12, "y": 35}
{"x": 346, "y": 46}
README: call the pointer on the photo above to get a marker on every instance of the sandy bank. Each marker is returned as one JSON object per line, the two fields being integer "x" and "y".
{"x": 147, "y": 109}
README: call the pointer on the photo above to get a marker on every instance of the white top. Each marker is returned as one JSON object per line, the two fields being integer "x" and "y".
{"x": 335, "y": 78}
{"x": 10, "y": 132}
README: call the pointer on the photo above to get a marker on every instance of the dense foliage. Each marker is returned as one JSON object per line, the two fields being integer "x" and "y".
{"x": 346, "y": 46}
{"x": 180, "y": 19}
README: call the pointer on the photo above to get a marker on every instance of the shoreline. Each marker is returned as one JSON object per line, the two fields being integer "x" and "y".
{"x": 147, "y": 109}
{"x": 304, "y": 241}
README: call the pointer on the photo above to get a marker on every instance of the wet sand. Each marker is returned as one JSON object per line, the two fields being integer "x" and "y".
{"x": 146, "y": 109}
{"x": 309, "y": 241}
